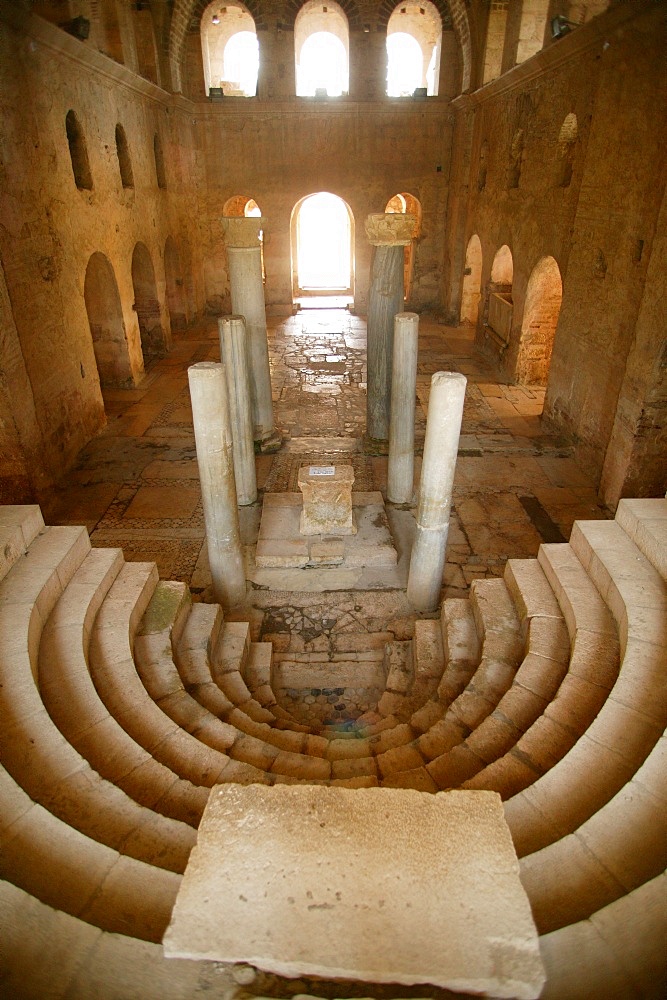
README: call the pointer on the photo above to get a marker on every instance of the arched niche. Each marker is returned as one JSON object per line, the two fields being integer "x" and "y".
{"x": 78, "y": 152}
{"x": 406, "y": 203}
{"x": 414, "y": 40}
{"x": 175, "y": 286}
{"x": 541, "y": 309}
{"x": 472, "y": 281}
{"x": 499, "y": 302}
{"x": 158, "y": 157}
{"x": 105, "y": 318}
{"x": 567, "y": 144}
{"x": 321, "y": 50}
{"x": 230, "y": 49}
{"x": 147, "y": 306}
{"x": 124, "y": 160}
{"x": 322, "y": 246}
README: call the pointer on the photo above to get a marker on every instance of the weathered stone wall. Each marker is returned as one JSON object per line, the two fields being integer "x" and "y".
{"x": 49, "y": 228}
{"x": 592, "y": 205}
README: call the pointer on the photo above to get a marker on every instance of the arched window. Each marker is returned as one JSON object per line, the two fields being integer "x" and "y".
{"x": 405, "y": 203}
{"x": 322, "y": 246}
{"x": 321, "y": 50}
{"x": 230, "y": 49}
{"x": 124, "y": 161}
{"x": 414, "y": 36}
{"x": 78, "y": 153}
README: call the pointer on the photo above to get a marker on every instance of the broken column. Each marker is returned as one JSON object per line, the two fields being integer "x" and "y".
{"x": 388, "y": 233}
{"x": 247, "y": 291}
{"x": 213, "y": 438}
{"x": 443, "y": 427}
{"x": 400, "y": 472}
{"x": 233, "y": 351}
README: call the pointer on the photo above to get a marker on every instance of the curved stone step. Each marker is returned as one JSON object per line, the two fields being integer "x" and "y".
{"x": 632, "y": 718}
{"x": 618, "y": 953}
{"x": 53, "y": 773}
{"x": 19, "y": 525}
{"x": 119, "y": 686}
{"x": 645, "y": 523}
{"x": 619, "y": 848}
{"x": 67, "y": 870}
{"x": 584, "y": 685}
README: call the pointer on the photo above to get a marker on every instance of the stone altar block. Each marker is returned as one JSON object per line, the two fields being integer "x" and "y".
{"x": 382, "y": 885}
{"x": 327, "y": 500}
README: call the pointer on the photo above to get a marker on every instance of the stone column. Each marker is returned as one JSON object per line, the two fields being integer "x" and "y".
{"x": 443, "y": 427}
{"x": 234, "y": 357}
{"x": 400, "y": 473}
{"x": 245, "y": 279}
{"x": 388, "y": 233}
{"x": 210, "y": 412}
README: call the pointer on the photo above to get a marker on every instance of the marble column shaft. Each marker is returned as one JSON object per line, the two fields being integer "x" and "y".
{"x": 233, "y": 352}
{"x": 213, "y": 439}
{"x": 400, "y": 474}
{"x": 388, "y": 233}
{"x": 443, "y": 428}
{"x": 244, "y": 257}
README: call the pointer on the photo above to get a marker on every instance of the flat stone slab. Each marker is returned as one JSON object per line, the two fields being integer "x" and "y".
{"x": 281, "y": 545}
{"x": 377, "y": 884}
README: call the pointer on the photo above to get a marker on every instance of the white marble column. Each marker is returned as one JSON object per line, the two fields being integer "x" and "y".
{"x": 443, "y": 428}
{"x": 213, "y": 438}
{"x": 401, "y": 467}
{"x": 388, "y": 232}
{"x": 233, "y": 352}
{"x": 244, "y": 257}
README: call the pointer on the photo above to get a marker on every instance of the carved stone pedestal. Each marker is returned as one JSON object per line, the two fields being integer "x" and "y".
{"x": 327, "y": 500}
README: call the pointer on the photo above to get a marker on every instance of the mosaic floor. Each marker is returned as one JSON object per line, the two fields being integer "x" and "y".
{"x": 136, "y": 485}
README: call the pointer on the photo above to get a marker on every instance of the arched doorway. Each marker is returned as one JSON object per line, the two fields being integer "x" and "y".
{"x": 538, "y": 327}
{"x": 176, "y": 303}
{"x": 408, "y": 205}
{"x": 472, "y": 281}
{"x": 500, "y": 305}
{"x": 105, "y": 318}
{"x": 147, "y": 306}
{"x": 322, "y": 232}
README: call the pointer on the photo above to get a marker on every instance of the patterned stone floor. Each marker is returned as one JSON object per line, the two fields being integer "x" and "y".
{"x": 136, "y": 485}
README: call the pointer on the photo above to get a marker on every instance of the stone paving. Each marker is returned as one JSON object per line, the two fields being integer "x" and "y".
{"x": 136, "y": 485}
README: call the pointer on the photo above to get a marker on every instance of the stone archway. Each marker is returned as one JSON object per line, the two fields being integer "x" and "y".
{"x": 105, "y": 318}
{"x": 147, "y": 306}
{"x": 538, "y": 326}
{"x": 472, "y": 281}
{"x": 176, "y": 303}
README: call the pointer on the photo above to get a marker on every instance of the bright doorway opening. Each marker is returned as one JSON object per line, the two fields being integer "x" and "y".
{"x": 322, "y": 234}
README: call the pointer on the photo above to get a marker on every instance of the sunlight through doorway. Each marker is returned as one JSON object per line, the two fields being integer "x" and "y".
{"x": 322, "y": 247}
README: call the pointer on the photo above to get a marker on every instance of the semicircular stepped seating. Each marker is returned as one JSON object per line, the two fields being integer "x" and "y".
{"x": 122, "y": 703}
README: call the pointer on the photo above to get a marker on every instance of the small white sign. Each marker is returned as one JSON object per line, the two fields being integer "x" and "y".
{"x": 322, "y": 470}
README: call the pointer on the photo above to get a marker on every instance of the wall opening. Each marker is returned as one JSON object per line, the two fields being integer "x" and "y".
{"x": 499, "y": 310}
{"x": 538, "y": 327}
{"x": 495, "y": 41}
{"x": 78, "y": 153}
{"x": 515, "y": 159}
{"x": 230, "y": 49}
{"x": 144, "y": 39}
{"x": 105, "y": 318}
{"x": 147, "y": 306}
{"x": 406, "y": 203}
{"x": 176, "y": 298}
{"x": 321, "y": 50}
{"x": 483, "y": 165}
{"x": 322, "y": 232}
{"x": 124, "y": 161}
{"x": 158, "y": 156}
{"x": 567, "y": 143}
{"x": 414, "y": 39}
{"x": 532, "y": 28}
{"x": 472, "y": 281}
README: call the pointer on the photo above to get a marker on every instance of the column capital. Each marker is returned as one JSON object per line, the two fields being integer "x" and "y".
{"x": 240, "y": 231}
{"x": 390, "y": 229}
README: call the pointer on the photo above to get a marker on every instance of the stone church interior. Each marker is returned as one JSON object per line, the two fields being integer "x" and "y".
{"x": 333, "y": 437}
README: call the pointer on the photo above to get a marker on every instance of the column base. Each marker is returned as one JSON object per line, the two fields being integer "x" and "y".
{"x": 270, "y": 444}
